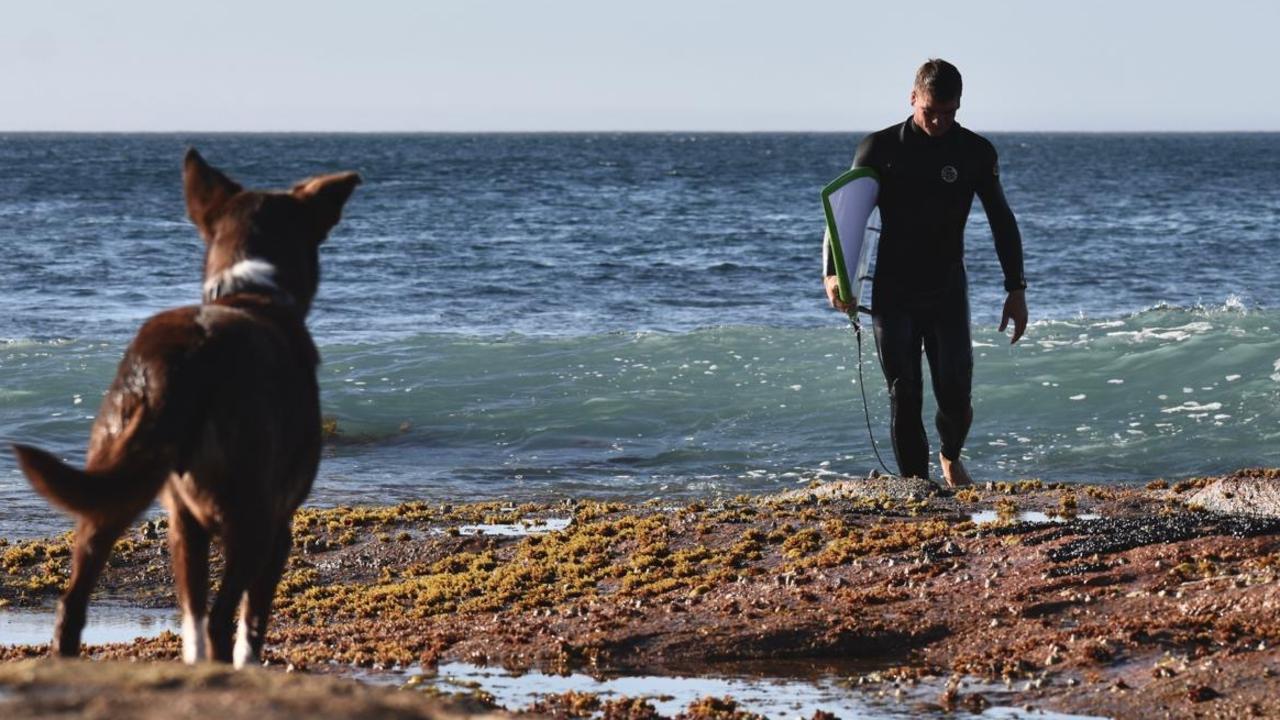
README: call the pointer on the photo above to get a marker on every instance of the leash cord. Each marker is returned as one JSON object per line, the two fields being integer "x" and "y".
{"x": 862, "y": 385}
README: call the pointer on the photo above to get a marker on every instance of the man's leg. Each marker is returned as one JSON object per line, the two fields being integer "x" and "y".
{"x": 950, "y": 351}
{"x": 898, "y": 340}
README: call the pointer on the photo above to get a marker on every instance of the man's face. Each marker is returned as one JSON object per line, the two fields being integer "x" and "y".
{"x": 933, "y": 117}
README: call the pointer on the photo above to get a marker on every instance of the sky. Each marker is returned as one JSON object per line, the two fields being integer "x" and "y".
{"x": 650, "y": 65}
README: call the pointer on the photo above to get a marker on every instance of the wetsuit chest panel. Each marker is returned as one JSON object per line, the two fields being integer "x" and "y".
{"x": 937, "y": 180}
{"x": 927, "y": 190}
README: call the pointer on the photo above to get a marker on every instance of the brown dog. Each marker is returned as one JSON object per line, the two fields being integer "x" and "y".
{"x": 215, "y": 407}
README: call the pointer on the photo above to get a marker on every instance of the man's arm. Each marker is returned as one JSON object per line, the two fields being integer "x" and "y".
{"x": 1004, "y": 230}
{"x": 864, "y": 157}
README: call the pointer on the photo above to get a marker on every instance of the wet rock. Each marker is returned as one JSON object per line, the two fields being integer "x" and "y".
{"x": 938, "y": 549}
{"x": 975, "y": 703}
{"x": 1202, "y": 693}
{"x": 1078, "y": 569}
{"x": 1045, "y": 609}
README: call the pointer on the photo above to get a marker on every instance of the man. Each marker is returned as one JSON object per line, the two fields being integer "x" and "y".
{"x": 930, "y": 168}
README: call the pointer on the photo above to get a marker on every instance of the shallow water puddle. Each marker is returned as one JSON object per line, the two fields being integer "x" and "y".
{"x": 520, "y": 529}
{"x": 1029, "y": 516}
{"x": 106, "y": 624}
{"x": 670, "y": 695}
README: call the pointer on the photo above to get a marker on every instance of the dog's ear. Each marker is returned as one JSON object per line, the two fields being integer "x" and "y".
{"x": 206, "y": 189}
{"x": 324, "y": 197}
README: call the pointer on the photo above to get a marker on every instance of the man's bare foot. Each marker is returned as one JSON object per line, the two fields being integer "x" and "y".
{"x": 954, "y": 473}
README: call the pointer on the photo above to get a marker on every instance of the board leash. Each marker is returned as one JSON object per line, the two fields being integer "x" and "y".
{"x": 862, "y": 385}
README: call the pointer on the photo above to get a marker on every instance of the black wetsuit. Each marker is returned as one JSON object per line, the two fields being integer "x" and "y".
{"x": 919, "y": 296}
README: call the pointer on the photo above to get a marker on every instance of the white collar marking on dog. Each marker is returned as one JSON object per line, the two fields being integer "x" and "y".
{"x": 248, "y": 274}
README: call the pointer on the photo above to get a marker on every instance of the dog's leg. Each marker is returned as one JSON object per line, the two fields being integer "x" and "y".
{"x": 243, "y": 653}
{"x": 189, "y": 548}
{"x": 244, "y": 561}
{"x": 92, "y": 548}
{"x": 256, "y": 610}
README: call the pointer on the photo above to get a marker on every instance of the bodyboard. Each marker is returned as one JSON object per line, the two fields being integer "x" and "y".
{"x": 848, "y": 202}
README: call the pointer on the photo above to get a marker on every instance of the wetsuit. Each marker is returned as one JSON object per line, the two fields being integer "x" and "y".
{"x": 919, "y": 296}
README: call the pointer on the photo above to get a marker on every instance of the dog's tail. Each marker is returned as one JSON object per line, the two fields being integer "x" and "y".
{"x": 117, "y": 493}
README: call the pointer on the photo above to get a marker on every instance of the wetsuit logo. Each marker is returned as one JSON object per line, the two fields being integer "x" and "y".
{"x": 949, "y": 173}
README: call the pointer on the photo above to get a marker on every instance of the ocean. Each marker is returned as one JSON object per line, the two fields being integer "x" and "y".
{"x": 637, "y": 316}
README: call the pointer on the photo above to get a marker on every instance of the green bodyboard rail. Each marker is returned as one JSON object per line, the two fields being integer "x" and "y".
{"x": 833, "y": 232}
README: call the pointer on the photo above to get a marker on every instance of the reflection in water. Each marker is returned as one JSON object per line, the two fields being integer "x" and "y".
{"x": 1030, "y": 516}
{"x": 520, "y": 529}
{"x": 106, "y": 624}
{"x": 768, "y": 696}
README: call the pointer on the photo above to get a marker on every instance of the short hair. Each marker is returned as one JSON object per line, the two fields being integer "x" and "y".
{"x": 939, "y": 79}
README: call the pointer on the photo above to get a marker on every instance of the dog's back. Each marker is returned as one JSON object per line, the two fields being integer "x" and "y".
{"x": 255, "y": 432}
{"x": 199, "y": 387}
{"x": 216, "y": 408}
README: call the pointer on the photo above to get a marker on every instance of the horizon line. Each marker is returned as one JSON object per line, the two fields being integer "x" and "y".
{"x": 5, "y": 131}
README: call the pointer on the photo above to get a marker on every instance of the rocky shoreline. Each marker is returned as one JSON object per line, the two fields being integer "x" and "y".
{"x": 1157, "y": 600}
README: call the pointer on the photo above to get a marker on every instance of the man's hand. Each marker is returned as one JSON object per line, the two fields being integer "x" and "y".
{"x": 1015, "y": 309}
{"x": 832, "y": 284}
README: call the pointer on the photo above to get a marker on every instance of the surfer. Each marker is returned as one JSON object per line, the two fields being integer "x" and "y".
{"x": 930, "y": 168}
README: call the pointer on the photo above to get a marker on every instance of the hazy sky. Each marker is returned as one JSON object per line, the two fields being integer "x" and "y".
{"x": 470, "y": 65}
